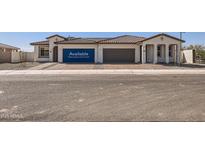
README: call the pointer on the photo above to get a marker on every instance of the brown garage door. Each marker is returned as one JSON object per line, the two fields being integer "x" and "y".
{"x": 118, "y": 55}
{"x": 5, "y": 55}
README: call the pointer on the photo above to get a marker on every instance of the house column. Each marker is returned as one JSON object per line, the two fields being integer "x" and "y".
{"x": 100, "y": 54}
{"x": 143, "y": 55}
{"x": 175, "y": 53}
{"x": 36, "y": 52}
{"x": 137, "y": 54}
{"x": 178, "y": 53}
{"x": 50, "y": 54}
{"x": 155, "y": 54}
{"x": 60, "y": 54}
{"x": 167, "y": 53}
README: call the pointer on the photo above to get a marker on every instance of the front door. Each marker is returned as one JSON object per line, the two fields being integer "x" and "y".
{"x": 55, "y": 54}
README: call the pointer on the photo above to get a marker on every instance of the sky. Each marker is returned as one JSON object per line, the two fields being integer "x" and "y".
{"x": 23, "y": 39}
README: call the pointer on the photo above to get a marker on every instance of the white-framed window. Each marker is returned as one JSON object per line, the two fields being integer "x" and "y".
{"x": 43, "y": 52}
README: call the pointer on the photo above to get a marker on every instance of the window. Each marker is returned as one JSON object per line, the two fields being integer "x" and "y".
{"x": 170, "y": 48}
{"x": 158, "y": 51}
{"x": 43, "y": 52}
{"x": 170, "y": 52}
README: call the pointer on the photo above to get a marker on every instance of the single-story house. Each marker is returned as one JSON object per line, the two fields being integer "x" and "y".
{"x": 9, "y": 54}
{"x": 161, "y": 48}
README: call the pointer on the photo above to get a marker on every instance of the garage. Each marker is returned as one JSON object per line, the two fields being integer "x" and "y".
{"x": 78, "y": 55}
{"x": 119, "y": 55}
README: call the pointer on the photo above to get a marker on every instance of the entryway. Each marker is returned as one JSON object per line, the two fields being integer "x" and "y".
{"x": 149, "y": 53}
{"x": 55, "y": 54}
{"x": 161, "y": 53}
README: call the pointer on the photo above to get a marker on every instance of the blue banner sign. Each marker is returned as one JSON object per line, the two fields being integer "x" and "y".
{"x": 79, "y": 55}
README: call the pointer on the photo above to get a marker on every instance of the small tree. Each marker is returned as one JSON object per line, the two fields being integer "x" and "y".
{"x": 199, "y": 50}
{"x": 197, "y": 47}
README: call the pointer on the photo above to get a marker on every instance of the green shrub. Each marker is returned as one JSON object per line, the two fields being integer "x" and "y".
{"x": 201, "y": 54}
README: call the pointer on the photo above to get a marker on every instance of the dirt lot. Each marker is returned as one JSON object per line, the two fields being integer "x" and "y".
{"x": 18, "y": 66}
{"x": 102, "y": 98}
{"x": 66, "y": 66}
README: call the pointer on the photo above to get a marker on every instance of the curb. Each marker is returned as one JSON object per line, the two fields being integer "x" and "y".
{"x": 101, "y": 72}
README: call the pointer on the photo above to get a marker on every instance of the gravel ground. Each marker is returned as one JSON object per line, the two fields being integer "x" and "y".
{"x": 18, "y": 66}
{"x": 102, "y": 98}
{"x": 66, "y": 66}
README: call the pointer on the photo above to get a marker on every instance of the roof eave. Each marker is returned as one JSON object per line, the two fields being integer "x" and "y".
{"x": 55, "y": 36}
{"x": 117, "y": 42}
{"x": 164, "y": 35}
{"x": 73, "y": 43}
{"x": 38, "y": 44}
{"x": 9, "y": 46}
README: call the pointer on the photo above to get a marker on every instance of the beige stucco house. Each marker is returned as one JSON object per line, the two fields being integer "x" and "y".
{"x": 161, "y": 48}
{"x": 9, "y": 54}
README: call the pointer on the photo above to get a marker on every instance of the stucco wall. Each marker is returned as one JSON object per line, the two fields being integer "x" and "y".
{"x": 5, "y": 55}
{"x": 159, "y": 40}
{"x": 35, "y": 52}
{"x": 15, "y": 56}
{"x": 27, "y": 56}
{"x": 137, "y": 54}
{"x": 188, "y": 56}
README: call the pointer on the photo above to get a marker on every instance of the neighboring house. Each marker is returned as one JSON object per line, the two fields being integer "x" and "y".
{"x": 9, "y": 54}
{"x": 161, "y": 48}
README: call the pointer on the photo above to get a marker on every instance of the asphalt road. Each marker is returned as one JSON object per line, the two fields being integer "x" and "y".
{"x": 102, "y": 98}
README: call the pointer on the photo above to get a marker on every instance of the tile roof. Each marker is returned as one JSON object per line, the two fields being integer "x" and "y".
{"x": 125, "y": 39}
{"x": 78, "y": 41}
{"x": 163, "y": 34}
{"x": 40, "y": 43}
{"x": 8, "y": 46}
{"x": 55, "y": 35}
{"x": 97, "y": 39}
